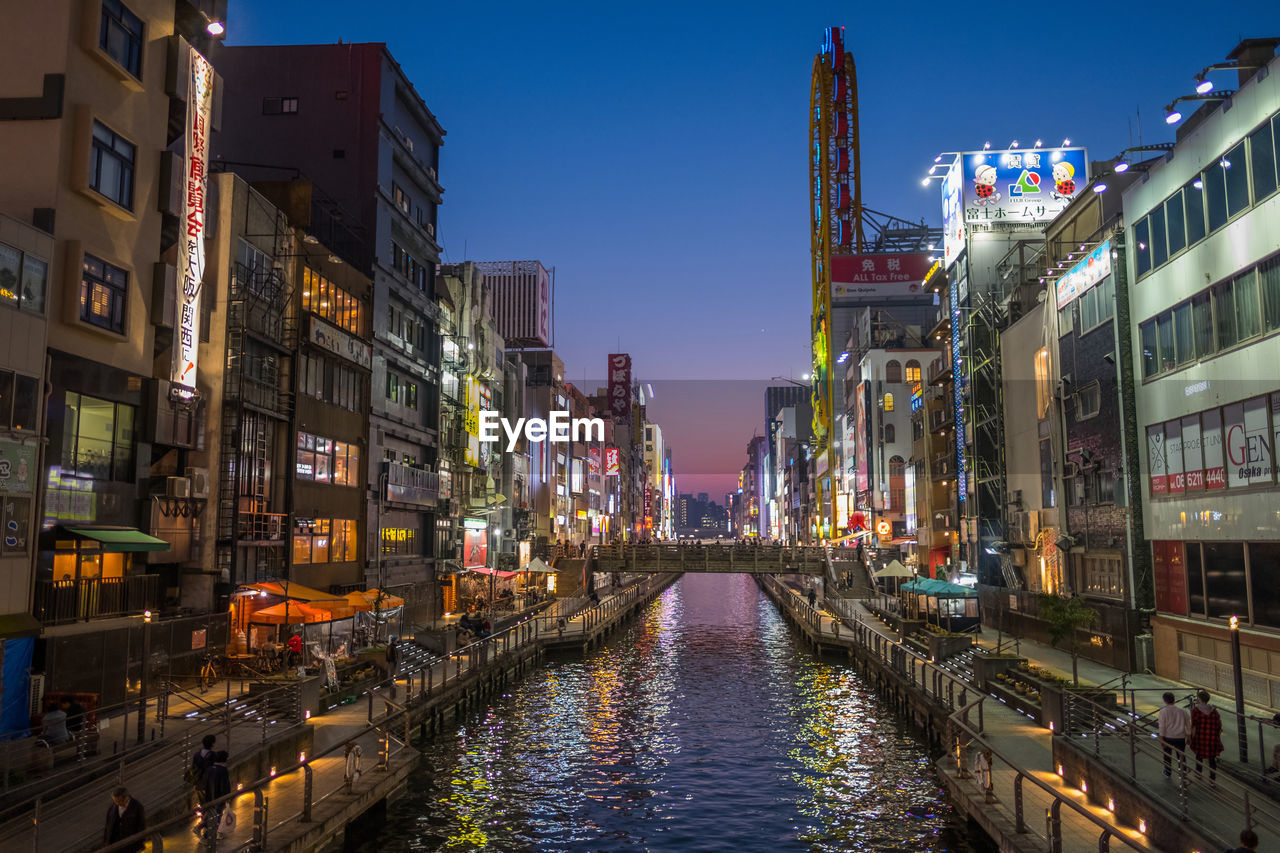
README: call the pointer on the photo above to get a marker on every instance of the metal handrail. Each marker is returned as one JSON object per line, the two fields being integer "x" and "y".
{"x": 1227, "y": 792}
{"x": 956, "y": 724}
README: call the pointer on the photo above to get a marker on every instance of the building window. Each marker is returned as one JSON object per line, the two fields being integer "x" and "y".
{"x": 111, "y": 163}
{"x": 1088, "y": 401}
{"x": 890, "y": 434}
{"x": 913, "y": 371}
{"x": 893, "y": 372}
{"x": 279, "y": 106}
{"x": 1262, "y": 160}
{"x": 1044, "y": 394}
{"x": 324, "y": 540}
{"x": 326, "y": 299}
{"x": 393, "y": 386}
{"x": 97, "y": 439}
{"x": 401, "y": 199}
{"x": 103, "y": 290}
{"x": 888, "y": 402}
{"x": 19, "y": 401}
{"x": 121, "y": 36}
{"x": 323, "y": 460}
{"x": 411, "y": 395}
{"x": 400, "y": 541}
{"x": 23, "y": 279}
{"x": 1101, "y": 574}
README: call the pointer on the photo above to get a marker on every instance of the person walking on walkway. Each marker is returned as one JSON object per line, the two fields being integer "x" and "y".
{"x": 1173, "y": 724}
{"x": 1248, "y": 842}
{"x": 125, "y": 817}
{"x": 217, "y": 783}
{"x": 194, "y": 775}
{"x": 813, "y": 597}
{"x": 1206, "y": 734}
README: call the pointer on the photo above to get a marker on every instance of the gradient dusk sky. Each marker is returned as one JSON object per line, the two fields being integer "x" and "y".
{"x": 654, "y": 153}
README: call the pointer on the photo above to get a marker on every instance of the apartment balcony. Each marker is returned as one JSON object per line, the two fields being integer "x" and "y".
{"x": 262, "y": 527}
{"x": 58, "y": 602}
{"x": 939, "y": 419}
{"x": 942, "y": 467}
{"x": 409, "y": 485}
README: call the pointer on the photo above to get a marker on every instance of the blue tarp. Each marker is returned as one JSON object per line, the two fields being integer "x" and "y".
{"x": 14, "y": 711}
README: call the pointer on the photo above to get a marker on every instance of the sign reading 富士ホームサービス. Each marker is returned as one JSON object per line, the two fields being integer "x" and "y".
{"x": 186, "y": 338}
{"x": 1020, "y": 185}
{"x": 619, "y": 385}
{"x": 1093, "y": 268}
{"x": 879, "y": 278}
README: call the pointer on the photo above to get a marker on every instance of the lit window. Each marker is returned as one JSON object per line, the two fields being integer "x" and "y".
{"x": 888, "y": 402}
{"x": 1043, "y": 392}
{"x": 103, "y": 289}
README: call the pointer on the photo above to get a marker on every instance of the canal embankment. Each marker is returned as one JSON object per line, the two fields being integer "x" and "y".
{"x": 1031, "y": 783}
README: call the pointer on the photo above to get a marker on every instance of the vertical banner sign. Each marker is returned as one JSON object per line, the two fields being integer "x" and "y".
{"x": 620, "y": 385}
{"x": 611, "y": 462}
{"x": 186, "y": 347}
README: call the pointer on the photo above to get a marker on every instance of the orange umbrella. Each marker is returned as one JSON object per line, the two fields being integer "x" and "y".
{"x": 359, "y": 601}
{"x": 296, "y": 612}
{"x": 388, "y": 600}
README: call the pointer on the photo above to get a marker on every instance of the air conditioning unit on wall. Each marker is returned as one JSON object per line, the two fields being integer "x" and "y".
{"x": 177, "y": 487}
{"x": 199, "y": 478}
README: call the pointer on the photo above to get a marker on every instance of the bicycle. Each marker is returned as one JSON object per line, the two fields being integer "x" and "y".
{"x": 208, "y": 675}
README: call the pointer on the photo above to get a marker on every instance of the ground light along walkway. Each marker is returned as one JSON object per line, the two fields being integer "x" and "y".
{"x": 1218, "y": 811}
{"x": 312, "y": 798}
{"x": 1025, "y": 791}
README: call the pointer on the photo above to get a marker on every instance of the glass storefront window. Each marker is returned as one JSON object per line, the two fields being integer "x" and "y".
{"x": 1224, "y": 579}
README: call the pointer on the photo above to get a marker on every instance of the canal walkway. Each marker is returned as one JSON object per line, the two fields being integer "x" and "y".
{"x": 285, "y": 813}
{"x": 1028, "y": 802}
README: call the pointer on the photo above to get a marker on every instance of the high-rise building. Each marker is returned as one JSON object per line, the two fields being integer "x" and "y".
{"x": 374, "y": 168}
{"x": 523, "y": 301}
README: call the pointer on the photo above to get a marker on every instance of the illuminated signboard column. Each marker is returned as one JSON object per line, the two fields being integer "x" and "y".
{"x": 186, "y": 344}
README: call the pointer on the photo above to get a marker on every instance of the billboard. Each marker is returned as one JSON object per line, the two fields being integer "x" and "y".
{"x": 1093, "y": 268}
{"x": 544, "y": 306}
{"x": 620, "y": 385}
{"x": 879, "y": 278}
{"x": 611, "y": 461}
{"x": 1019, "y": 186}
{"x": 952, "y": 216}
{"x": 186, "y": 343}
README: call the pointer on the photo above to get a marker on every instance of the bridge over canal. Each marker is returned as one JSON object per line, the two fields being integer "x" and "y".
{"x": 723, "y": 558}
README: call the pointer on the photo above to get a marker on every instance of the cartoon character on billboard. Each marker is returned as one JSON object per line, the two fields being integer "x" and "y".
{"x": 1063, "y": 178}
{"x": 984, "y": 184}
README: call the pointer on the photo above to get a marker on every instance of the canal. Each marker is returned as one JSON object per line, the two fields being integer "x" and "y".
{"x": 703, "y": 726}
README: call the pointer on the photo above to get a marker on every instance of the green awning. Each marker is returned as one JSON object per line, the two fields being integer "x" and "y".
{"x": 117, "y": 539}
{"x": 13, "y": 625}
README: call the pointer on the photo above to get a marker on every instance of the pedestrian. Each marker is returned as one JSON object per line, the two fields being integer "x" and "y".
{"x": 295, "y": 650}
{"x": 194, "y": 775}
{"x": 75, "y": 715}
{"x": 1248, "y": 842}
{"x": 393, "y": 658}
{"x": 125, "y": 817}
{"x": 1173, "y": 724}
{"x": 54, "y": 727}
{"x": 813, "y": 597}
{"x": 217, "y": 784}
{"x": 1206, "y": 734}
{"x": 582, "y": 548}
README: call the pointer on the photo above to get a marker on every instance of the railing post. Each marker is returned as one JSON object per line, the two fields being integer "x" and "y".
{"x": 1019, "y": 824}
{"x": 259, "y": 819}
{"x": 35, "y": 827}
{"x": 306, "y": 794}
{"x": 1055, "y": 826}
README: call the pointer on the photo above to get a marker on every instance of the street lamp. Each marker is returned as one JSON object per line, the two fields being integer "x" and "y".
{"x": 1238, "y": 674}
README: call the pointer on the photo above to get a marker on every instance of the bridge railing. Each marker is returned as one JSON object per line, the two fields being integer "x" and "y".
{"x": 692, "y": 556}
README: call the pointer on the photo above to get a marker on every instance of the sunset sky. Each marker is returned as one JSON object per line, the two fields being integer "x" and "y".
{"x": 654, "y": 153}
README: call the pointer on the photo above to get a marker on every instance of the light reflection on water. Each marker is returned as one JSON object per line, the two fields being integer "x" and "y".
{"x": 703, "y": 726}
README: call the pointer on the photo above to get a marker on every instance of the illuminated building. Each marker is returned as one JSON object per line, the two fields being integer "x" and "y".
{"x": 375, "y": 173}
{"x": 1204, "y": 291}
{"x": 86, "y": 132}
